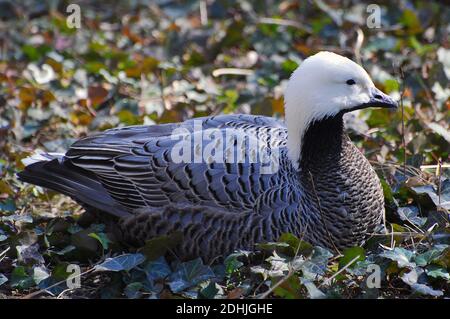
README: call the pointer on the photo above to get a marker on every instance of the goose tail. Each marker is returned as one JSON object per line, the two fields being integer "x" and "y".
{"x": 54, "y": 171}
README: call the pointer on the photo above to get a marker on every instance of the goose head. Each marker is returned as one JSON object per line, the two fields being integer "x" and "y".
{"x": 326, "y": 85}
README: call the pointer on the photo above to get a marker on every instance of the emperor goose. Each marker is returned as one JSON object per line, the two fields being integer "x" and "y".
{"x": 162, "y": 179}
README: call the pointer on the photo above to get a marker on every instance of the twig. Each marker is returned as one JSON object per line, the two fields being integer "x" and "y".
{"x": 203, "y": 13}
{"x": 403, "y": 234}
{"x": 284, "y": 22}
{"x": 3, "y": 253}
{"x": 160, "y": 77}
{"x": 392, "y": 237}
{"x": 358, "y": 44}
{"x": 63, "y": 292}
{"x": 414, "y": 226}
{"x": 439, "y": 174}
{"x": 231, "y": 71}
{"x": 402, "y": 90}
{"x": 412, "y": 242}
{"x": 411, "y": 170}
{"x": 437, "y": 168}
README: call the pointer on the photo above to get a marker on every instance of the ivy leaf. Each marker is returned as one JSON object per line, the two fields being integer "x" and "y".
{"x": 3, "y": 279}
{"x": 288, "y": 289}
{"x": 411, "y": 214}
{"x": 317, "y": 265}
{"x": 428, "y": 190}
{"x": 21, "y": 279}
{"x": 411, "y": 278}
{"x": 3, "y": 235}
{"x": 444, "y": 259}
{"x": 273, "y": 246}
{"x": 40, "y": 274}
{"x": 350, "y": 254}
{"x": 360, "y": 267}
{"x": 232, "y": 262}
{"x": 321, "y": 256}
{"x": 102, "y": 239}
{"x": 210, "y": 291}
{"x": 29, "y": 254}
{"x": 133, "y": 290}
{"x": 157, "y": 269}
{"x": 189, "y": 274}
{"x": 260, "y": 271}
{"x": 400, "y": 255}
{"x": 311, "y": 270}
{"x": 63, "y": 251}
{"x": 313, "y": 291}
{"x": 7, "y": 206}
{"x": 85, "y": 243}
{"x": 119, "y": 263}
{"x": 437, "y": 272}
{"x": 16, "y": 218}
{"x": 387, "y": 191}
{"x": 59, "y": 276}
{"x": 423, "y": 289}
{"x": 430, "y": 255}
{"x": 302, "y": 247}
{"x": 279, "y": 266}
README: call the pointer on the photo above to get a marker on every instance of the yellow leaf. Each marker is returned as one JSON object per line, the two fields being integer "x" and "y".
{"x": 5, "y": 188}
{"x": 27, "y": 94}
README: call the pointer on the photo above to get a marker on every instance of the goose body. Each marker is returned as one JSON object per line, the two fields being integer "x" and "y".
{"x": 206, "y": 178}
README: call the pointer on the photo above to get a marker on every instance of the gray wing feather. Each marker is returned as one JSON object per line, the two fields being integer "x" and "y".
{"x": 135, "y": 166}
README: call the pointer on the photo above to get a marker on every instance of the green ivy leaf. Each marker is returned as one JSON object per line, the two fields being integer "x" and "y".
{"x": 430, "y": 255}
{"x": 157, "y": 269}
{"x": 133, "y": 290}
{"x": 411, "y": 214}
{"x": 7, "y": 206}
{"x": 232, "y": 263}
{"x": 189, "y": 274}
{"x": 313, "y": 291}
{"x": 288, "y": 289}
{"x": 102, "y": 239}
{"x": 20, "y": 278}
{"x": 210, "y": 291}
{"x": 400, "y": 255}
{"x": 302, "y": 247}
{"x": 39, "y": 274}
{"x": 437, "y": 272}
{"x": 3, "y": 279}
{"x": 350, "y": 254}
{"x": 119, "y": 263}
{"x": 423, "y": 289}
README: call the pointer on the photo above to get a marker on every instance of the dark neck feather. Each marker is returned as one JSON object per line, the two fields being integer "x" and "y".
{"x": 322, "y": 140}
{"x": 341, "y": 191}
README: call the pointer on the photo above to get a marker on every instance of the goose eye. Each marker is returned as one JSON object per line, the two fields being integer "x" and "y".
{"x": 350, "y": 82}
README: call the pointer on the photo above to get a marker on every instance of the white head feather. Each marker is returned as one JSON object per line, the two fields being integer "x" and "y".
{"x": 318, "y": 89}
